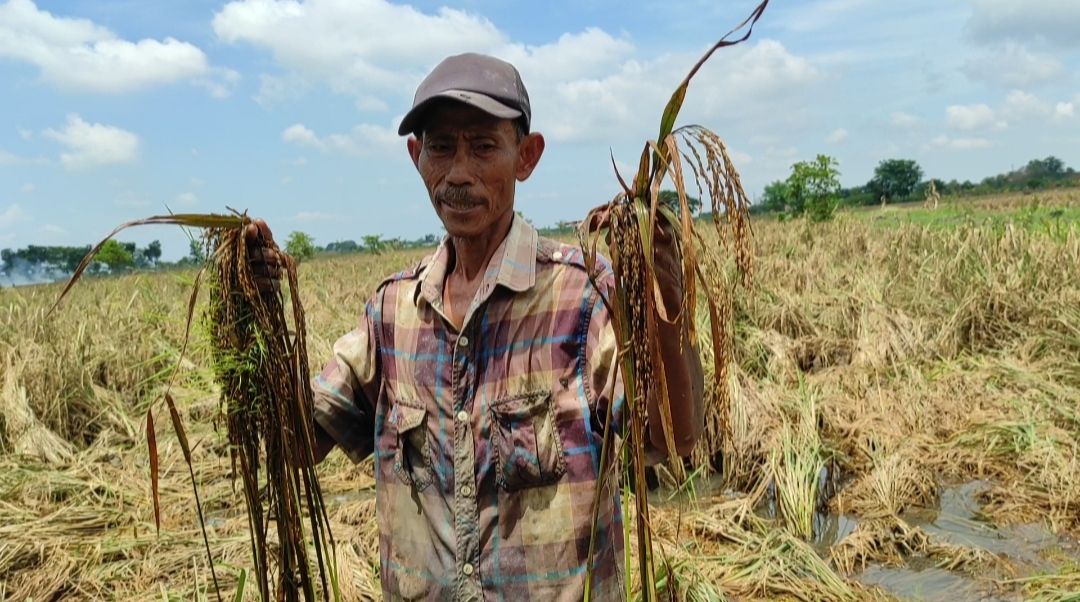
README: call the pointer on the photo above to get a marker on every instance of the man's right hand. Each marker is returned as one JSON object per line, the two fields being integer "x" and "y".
{"x": 263, "y": 256}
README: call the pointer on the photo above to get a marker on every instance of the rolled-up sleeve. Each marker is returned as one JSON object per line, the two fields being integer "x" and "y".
{"x": 346, "y": 390}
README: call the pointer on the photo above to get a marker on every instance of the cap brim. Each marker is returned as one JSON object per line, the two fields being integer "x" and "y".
{"x": 483, "y": 102}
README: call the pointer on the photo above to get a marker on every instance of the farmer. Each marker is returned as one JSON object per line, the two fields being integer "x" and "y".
{"x": 480, "y": 378}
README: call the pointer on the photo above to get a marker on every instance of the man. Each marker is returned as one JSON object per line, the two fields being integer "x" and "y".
{"x": 480, "y": 379}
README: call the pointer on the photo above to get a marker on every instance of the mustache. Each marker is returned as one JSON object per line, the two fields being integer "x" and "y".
{"x": 458, "y": 195}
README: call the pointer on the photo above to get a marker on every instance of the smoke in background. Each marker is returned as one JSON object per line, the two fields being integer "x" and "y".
{"x": 24, "y": 273}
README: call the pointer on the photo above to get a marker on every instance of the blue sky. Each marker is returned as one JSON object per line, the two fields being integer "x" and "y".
{"x": 113, "y": 110}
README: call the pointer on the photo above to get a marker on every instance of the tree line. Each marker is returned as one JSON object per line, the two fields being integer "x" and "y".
{"x": 813, "y": 187}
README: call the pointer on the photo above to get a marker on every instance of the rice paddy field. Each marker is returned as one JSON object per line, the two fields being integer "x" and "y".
{"x": 905, "y": 423}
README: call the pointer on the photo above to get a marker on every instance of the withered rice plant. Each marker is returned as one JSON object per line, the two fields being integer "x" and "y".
{"x": 262, "y": 368}
{"x": 628, "y": 223}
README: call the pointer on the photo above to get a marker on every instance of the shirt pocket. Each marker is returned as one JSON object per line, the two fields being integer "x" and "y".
{"x": 526, "y": 442}
{"x": 412, "y": 454}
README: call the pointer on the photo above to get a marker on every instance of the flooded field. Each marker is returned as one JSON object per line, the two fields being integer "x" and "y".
{"x": 905, "y": 425}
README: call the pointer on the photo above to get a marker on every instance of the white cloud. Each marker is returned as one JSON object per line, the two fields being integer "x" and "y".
{"x": 1013, "y": 65}
{"x": 186, "y": 199}
{"x": 961, "y": 143}
{"x": 298, "y": 133}
{"x": 633, "y": 92}
{"x": 362, "y": 139}
{"x": 1021, "y": 105}
{"x": 80, "y": 55}
{"x": 1064, "y": 110}
{"x": 91, "y": 144}
{"x": 275, "y": 89}
{"x": 740, "y": 158}
{"x": 1052, "y": 21}
{"x": 358, "y": 47}
{"x": 28, "y": 188}
{"x": 12, "y": 215}
{"x": 26, "y": 134}
{"x": 837, "y": 136}
{"x": 220, "y": 82}
{"x": 902, "y": 119}
{"x": 972, "y": 117}
{"x": 313, "y": 216}
{"x": 52, "y": 229}
{"x": 7, "y": 158}
{"x": 587, "y": 85}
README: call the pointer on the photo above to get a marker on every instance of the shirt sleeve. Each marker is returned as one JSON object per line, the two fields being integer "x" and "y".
{"x": 346, "y": 391}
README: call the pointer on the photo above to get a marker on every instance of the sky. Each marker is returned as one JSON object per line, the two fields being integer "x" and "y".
{"x": 113, "y": 110}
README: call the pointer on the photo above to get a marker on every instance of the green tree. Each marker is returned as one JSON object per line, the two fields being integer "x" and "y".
{"x": 152, "y": 252}
{"x": 117, "y": 256}
{"x": 1050, "y": 168}
{"x": 813, "y": 188}
{"x": 895, "y": 179}
{"x": 196, "y": 253}
{"x": 300, "y": 245}
{"x": 373, "y": 243}
{"x": 775, "y": 199}
{"x": 671, "y": 199}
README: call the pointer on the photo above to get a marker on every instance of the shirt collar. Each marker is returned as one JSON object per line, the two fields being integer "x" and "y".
{"x": 512, "y": 265}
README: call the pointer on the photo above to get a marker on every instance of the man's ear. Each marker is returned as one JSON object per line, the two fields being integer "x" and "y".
{"x": 415, "y": 145}
{"x": 529, "y": 152}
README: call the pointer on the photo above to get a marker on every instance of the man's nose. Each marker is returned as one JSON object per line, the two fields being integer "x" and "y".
{"x": 460, "y": 173}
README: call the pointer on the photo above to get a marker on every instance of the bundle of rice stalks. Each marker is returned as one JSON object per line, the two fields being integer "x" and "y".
{"x": 796, "y": 462}
{"x": 629, "y": 223}
{"x": 262, "y": 369}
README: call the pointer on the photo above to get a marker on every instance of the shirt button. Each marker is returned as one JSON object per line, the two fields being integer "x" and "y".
{"x": 557, "y": 255}
{"x": 467, "y": 569}
{"x": 463, "y": 341}
{"x": 466, "y": 490}
{"x": 462, "y": 416}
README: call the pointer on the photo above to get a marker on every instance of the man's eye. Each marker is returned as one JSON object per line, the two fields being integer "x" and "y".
{"x": 485, "y": 147}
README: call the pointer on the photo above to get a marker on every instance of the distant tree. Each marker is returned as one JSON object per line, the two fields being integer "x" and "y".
{"x": 343, "y": 246}
{"x": 117, "y": 256}
{"x": 775, "y": 198}
{"x": 813, "y": 188}
{"x": 1050, "y": 168}
{"x": 373, "y": 243}
{"x": 7, "y": 256}
{"x": 895, "y": 179}
{"x": 152, "y": 252}
{"x": 196, "y": 253}
{"x": 300, "y": 245}
{"x": 671, "y": 199}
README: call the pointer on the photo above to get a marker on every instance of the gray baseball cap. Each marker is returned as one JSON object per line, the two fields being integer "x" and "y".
{"x": 485, "y": 82}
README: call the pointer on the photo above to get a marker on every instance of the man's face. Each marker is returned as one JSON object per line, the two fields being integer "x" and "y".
{"x": 470, "y": 162}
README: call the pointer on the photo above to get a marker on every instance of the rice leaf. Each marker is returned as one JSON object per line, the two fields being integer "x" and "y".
{"x": 151, "y": 443}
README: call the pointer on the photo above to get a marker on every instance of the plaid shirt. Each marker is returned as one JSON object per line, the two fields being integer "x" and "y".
{"x": 486, "y": 441}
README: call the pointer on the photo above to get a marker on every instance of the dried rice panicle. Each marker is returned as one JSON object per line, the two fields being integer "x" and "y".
{"x": 261, "y": 364}
{"x": 628, "y": 224}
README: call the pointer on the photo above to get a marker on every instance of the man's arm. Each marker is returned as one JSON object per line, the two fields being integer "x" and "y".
{"x": 682, "y": 363}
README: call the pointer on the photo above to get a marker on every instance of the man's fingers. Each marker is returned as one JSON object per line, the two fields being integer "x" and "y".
{"x": 258, "y": 231}
{"x": 264, "y": 231}
{"x": 263, "y": 255}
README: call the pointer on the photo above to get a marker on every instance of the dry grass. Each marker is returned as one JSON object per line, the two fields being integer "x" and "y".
{"x": 934, "y": 356}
